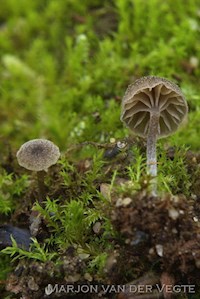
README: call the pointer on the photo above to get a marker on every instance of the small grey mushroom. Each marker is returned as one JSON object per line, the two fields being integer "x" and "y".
{"x": 38, "y": 155}
{"x": 153, "y": 108}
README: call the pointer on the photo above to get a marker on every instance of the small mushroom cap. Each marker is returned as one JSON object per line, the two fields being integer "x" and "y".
{"x": 153, "y": 94}
{"x": 38, "y": 154}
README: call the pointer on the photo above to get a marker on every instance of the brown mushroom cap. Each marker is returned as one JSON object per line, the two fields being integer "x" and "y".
{"x": 38, "y": 154}
{"x": 149, "y": 94}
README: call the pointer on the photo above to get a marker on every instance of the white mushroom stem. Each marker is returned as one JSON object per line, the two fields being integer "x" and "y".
{"x": 151, "y": 148}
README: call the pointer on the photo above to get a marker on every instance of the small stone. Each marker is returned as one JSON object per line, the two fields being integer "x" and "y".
{"x": 121, "y": 145}
{"x": 195, "y": 219}
{"x": 194, "y": 160}
{"x": 105, "y": 190}
{"x": 97, "y": 227}
{"x": 83, "y": 256}
{"x": 126, "y": 201}
{"x": 88, "y": 277}
{"x": 119, "y": 202}
{"x": 193, "y": 196}
{"x": 123, "y": 202}
{"x": 151, "y": 251}
{"x": 159, "y": 250}
{"x": 175, "y": 199}
{"x": 173, "y": 213}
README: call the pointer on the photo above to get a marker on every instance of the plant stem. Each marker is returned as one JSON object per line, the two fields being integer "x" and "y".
{"x": 41, "y": 186}
{"x": 151, "y": 150}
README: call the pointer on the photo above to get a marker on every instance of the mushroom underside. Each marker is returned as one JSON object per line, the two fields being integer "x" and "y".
{"x": 169, "y": 104}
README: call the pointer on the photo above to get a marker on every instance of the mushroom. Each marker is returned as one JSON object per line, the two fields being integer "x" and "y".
{"x": 38, "y": 155}
{"x": 153, "y": 108}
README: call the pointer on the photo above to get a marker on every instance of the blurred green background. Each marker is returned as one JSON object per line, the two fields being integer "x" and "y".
{"x": 65, "y": 65}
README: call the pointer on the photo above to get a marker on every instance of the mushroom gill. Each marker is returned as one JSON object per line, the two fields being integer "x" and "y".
{"x": 153, "y": 94}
